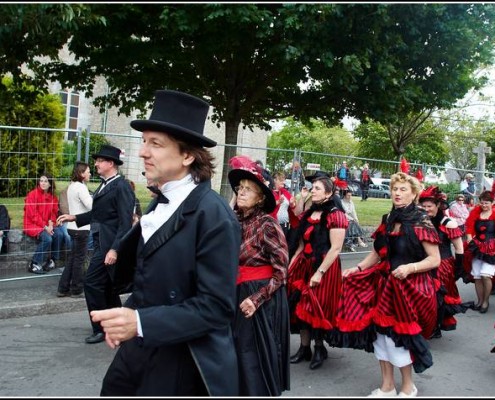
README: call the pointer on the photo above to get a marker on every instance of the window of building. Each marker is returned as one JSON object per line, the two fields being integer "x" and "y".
{"x": 70, "y": 100}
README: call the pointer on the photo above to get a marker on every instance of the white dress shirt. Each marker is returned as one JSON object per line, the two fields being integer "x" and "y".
{"x": 176, "y": 192}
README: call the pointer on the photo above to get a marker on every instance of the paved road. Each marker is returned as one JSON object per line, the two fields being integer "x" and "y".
{"x": 45, "y": 355}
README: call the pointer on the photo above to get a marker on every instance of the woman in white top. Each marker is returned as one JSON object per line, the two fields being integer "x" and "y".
{"x": 354, "y": 232}
{"x": 80, "y": 201}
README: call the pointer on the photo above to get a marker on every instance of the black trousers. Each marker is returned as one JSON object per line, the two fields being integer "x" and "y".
{"x": 72, "y": 276}
{"x": 98, "y": 286}
{"x": 161, "y": 371}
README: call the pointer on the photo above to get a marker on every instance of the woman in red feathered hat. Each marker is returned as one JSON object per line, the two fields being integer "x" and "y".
{"x": 388, "y": 303}
{"x": 480, "y": 236}
{"x": 261, "y": 321}
{"x": 451, "y": 268}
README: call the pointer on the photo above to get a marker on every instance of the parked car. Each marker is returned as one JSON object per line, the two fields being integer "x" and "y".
{"x": 288, "y": 184}
{"x": 379, "y": 191}
{"x": 355, "y": 186}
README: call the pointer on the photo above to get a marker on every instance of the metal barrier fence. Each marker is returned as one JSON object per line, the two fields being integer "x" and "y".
{"x": 26, "y": 152}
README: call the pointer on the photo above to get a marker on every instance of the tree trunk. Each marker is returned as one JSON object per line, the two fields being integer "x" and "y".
{"x": 231, "y": 132}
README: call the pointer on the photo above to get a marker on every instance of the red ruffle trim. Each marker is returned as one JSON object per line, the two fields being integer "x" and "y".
{"x": 487, "y": 247}
{"x": 315, "y": 322}
{"x": 307, "y": 302}
{"x": 426, "y": 234}
{"x": 452, "y": 233}
{"x": 355, "y": 326}
{"x": 452, "y": 300}
{"x": 380, "y": 230}
{"x": 402, "y": 328}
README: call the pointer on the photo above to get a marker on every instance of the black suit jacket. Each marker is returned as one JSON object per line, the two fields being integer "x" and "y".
{"x": 112, "y": 210}
{"x": 184, "y": 284}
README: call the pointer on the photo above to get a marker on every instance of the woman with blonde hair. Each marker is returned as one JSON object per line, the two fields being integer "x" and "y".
{"x": 388, "y": 304}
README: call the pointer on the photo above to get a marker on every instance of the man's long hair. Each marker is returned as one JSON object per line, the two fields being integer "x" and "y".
{"x": 202, "y": 168}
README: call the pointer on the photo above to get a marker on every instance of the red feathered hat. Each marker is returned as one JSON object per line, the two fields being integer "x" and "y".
{"x": 404, "y": 166}
{"x": 433, "y": 193}
{"x": 245, "y": 168}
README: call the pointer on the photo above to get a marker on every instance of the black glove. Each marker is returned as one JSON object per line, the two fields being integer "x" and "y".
{"x": 459, "y": 266}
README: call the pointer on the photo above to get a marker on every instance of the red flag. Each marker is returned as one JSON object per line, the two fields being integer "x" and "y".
{"x": 404, "y": 166}
{"x": 419, "y": 175}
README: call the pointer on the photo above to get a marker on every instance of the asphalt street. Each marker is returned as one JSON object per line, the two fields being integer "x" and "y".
{"x": 44, "y": 355}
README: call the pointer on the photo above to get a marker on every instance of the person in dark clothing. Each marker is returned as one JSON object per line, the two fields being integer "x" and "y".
{"x": 110, "y": 219}
{"x": 4, "y": 229}
{"x": 174, "y": 332}
{"x": 267, "y": 175}
{"x": 263, "y": 313}
{"x": 365, "y": 182}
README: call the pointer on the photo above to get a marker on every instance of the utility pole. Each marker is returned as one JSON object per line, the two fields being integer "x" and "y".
{"x": 482, "y": 150}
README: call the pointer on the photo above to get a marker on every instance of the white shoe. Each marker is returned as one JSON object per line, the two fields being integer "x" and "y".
{"x": 380, "y": 393}
{"x": 414, "y": 393}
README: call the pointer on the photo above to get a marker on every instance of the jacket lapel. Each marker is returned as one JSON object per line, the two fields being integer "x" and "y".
{"x": 165, "y": 232}
{"x": 106, "y": 189}
{"x": 176, "y": 221}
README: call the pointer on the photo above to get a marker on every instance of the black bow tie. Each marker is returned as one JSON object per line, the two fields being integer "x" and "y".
{"x": 159, "y": 195}
{"x": 104, "y": 181}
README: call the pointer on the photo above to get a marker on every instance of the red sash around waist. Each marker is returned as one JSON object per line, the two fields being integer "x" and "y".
{"x": 254, "y": 273}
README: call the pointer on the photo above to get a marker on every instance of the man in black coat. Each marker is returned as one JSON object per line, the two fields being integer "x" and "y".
{"x": 174, "y": 331}
{"x": 110, "y": 219}
{"x": 4, "y": 228}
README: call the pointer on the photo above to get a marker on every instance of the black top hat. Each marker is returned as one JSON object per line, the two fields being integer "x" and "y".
{"x": 178, "y": 114}
{"x": 110, "y": 153}
{"x": 237, "y": 175}
{"x": 317, "y": 174}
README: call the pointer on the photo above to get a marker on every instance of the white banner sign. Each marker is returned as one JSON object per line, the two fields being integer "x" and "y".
{"x": 312, "y": 166}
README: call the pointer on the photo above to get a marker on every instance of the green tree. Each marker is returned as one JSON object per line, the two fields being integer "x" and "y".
{"x": 259, "y": 62}
{"x": 417, "y": 137}
{"x": 31, "y": 31}
{"x": 463, "y": 134}
{"x": 25, "y": 154}
{"x": 314, "y": 137}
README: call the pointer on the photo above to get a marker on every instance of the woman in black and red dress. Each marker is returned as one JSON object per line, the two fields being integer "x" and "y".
{"x": 388, "y": 303}
{"x": 315, "y": 272}
{"x": 480, "y": 236}
{"x": 451, "y": 268}
{"x": 261, "y": 324}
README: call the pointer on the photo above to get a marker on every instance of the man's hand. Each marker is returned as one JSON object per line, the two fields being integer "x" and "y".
{"x": 65, "y": 218}
{"x": 119, "y": 324}
{"x": 111, "y": 257}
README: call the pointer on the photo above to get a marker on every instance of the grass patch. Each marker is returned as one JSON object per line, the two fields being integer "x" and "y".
{"x": 369, "y": 212}
{"x": 15, "y": 205}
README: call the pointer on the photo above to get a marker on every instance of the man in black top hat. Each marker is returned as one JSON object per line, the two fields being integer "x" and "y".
{"x": 174, "y": 331}
{"x": 110, "y": 218}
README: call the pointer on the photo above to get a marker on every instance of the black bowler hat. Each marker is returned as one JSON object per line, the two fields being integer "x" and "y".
{"x": 178, "y": 114}
{"x": 109, "y": 153}
{"x": 317, "y": 174}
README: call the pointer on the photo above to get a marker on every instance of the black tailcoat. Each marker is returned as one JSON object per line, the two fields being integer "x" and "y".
{"x": 184, "y": 288}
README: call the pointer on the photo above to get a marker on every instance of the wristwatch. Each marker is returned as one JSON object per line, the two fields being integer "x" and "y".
{"x": 321, "y": 271}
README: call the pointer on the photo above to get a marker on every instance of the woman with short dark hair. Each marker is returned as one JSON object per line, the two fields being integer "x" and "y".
{"x": 315, "y": 275}
{"x": 480, "y": 234}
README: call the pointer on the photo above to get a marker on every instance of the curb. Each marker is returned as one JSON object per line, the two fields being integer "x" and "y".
{"x": 33, "y": 308}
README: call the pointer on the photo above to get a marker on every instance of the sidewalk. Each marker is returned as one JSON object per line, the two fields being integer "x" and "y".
{"x": 36, "y": 295}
